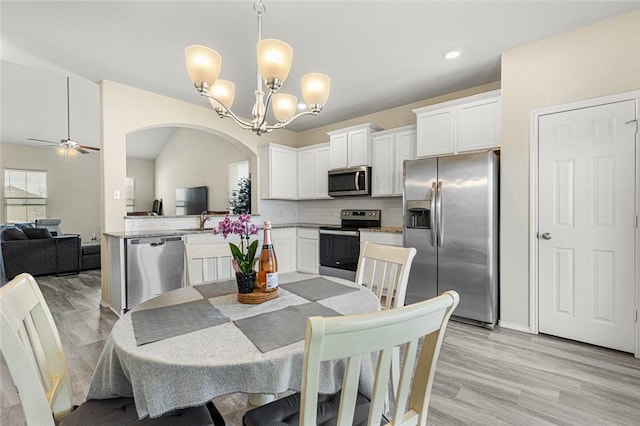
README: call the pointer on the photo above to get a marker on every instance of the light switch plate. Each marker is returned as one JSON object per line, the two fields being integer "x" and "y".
{"x": 116, "y": 194}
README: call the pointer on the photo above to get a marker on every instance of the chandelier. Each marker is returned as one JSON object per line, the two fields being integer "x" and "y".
{"x": 274, "y": 62}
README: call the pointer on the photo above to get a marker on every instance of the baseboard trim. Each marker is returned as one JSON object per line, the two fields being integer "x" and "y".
{"x": 516, "y": 327}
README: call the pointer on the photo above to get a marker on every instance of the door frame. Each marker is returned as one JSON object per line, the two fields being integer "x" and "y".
{"x": 533, "y": 203}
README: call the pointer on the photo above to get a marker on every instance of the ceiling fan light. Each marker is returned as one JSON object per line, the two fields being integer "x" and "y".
{"x": 203, "y": 65}
{"x": 274, "y": 61}
{"x": 224, "y": 93}
{"x": 315, "y": 89}
{"x": 284, "y": 106}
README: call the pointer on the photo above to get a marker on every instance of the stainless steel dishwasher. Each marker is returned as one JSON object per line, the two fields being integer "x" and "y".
{"x": 154, "y": 265}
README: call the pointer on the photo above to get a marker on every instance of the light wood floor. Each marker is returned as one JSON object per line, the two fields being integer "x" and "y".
{"x": 483, "y": 377}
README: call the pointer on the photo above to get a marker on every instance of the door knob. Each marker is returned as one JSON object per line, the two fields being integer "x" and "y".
{"x": 546, "y": 236}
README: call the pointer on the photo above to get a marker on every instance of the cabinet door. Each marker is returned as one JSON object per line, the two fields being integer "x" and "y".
{"x": 382, "y": 164}
{"x": 339, "y": 151}
{"x": 308, "y": 259}
{"x": 283, "y": 172}
{"x": 284, "y": 244}
{"x": 321, "y": 165}
{"x": 436, "y": 132}
{"x": 405, "y": 150}
{"x": 305, "y": 174}
{"x": 478, "y": 124}
{"x": 358, "y": 148}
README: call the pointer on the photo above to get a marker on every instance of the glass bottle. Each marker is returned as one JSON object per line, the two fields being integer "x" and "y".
{"x": 268, "y": 263}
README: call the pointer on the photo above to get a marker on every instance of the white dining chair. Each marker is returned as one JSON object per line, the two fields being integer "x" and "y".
{"x": 31, "y": 347}
{"x": 208, "y": 262}
{"x": 352, "y": 337}
{"x": 385, "y": 271}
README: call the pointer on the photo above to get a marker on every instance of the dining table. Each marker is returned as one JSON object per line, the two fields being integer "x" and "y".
{"x": 187, "y": 346}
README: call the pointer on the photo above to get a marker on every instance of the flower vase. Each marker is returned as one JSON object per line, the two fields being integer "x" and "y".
{"x": 246, "y": 281}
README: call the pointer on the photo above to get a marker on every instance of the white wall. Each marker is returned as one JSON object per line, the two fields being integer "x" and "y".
{"x": 72, "y": 188}
{"x": 593, "y": 61}
{"x": 196, "y": 158}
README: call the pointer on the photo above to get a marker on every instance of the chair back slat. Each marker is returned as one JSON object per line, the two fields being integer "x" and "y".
{"x": 352, "y": 337}
{"x": 33, "y": 351}
{"x": 349, "y": 390}
{"x": 36, "y": 352}
{"x": 208, "y": 262}
{"x": 380, "y": 384}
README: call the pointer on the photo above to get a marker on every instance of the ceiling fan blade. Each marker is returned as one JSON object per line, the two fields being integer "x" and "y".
{"x": 89, "y": 147}
{"x": 42, "y": 140}
{"x": 80, "y": 150}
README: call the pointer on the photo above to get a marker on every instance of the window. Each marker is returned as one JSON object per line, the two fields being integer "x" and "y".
{"x": 129, "y": 185}
{"x": 25, "y": 194}
{"x": 237, "y": 171}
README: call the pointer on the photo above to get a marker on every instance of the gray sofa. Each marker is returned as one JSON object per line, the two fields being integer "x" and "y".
{"x": 36, "y": 251}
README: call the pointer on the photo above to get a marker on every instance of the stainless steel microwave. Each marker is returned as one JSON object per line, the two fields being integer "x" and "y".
{"x": 350, "y": 181}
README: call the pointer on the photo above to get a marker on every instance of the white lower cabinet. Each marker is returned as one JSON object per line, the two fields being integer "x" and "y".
{"x": 284, "y": 244}
{"x": 308, "y": 250}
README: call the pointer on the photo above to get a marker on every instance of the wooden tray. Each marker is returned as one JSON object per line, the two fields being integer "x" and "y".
{"x": 256, "y": 297}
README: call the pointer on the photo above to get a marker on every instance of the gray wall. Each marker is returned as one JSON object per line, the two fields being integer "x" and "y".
{"x": 143, "y": 172}
{"x": 73, "y": 187}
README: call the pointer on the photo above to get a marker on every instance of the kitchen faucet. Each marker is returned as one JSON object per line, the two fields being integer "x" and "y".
{"x": 203, "y": 219}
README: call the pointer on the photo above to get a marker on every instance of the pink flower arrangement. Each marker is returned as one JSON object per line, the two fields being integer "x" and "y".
{"x": 244, "y": 257}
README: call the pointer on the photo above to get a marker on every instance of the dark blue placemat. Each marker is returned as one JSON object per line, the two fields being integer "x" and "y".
{"x": 151, "y": 325}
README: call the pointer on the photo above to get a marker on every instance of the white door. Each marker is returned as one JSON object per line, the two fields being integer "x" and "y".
{"x": 586, "y": 225}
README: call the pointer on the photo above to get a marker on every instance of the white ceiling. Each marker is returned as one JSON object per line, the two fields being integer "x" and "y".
{"x": 379, "y": 54}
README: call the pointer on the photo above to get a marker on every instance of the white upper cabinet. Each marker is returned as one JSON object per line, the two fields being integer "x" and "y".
{"x": 389, "y": 149}
{"x": 278, "y": 172}
{"x": 478, "y": 124}
{"x": 351, "y": 146}
{"x": 460, "y": 125}
{"x": 313, "y": 164}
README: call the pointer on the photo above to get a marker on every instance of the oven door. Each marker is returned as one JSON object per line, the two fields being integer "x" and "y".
{"x": 339, "y": 253}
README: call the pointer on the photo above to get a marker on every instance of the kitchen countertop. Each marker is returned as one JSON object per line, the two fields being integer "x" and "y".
{"x": 178, "y": 232}
{"x": 390, "y": 229}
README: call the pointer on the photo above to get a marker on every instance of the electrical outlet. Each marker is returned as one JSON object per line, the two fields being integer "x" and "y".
{"x": 116, "y": 194}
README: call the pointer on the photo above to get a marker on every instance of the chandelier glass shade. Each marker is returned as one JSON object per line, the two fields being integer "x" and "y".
{"x": 274, "y": 58}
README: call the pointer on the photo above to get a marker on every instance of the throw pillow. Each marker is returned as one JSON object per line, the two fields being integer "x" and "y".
{"x": 23, "y": 225}
{"x": 37, "y": 233}
{"x": 11, "y": 234}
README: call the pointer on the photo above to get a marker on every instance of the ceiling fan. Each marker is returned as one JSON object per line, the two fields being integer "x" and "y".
{"x": 68, "y": 144}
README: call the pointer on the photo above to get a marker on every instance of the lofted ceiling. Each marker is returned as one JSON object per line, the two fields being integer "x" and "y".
{"x": 379, "y": 54}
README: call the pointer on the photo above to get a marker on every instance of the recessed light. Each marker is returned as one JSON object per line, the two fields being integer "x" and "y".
{"x": 302, "y": 106}
{"x": 452, "y": 55}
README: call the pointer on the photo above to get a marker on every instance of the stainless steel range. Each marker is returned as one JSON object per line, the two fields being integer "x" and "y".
{"x": 340, "y": 246}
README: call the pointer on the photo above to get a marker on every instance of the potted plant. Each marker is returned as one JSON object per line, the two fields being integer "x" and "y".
{"x": 244, "y": 257}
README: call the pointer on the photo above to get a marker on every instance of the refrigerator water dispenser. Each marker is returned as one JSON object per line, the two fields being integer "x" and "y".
{"x": 418, "y": 214}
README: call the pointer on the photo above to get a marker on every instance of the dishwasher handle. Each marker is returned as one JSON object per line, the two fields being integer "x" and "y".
{"x": 161, "y": 243}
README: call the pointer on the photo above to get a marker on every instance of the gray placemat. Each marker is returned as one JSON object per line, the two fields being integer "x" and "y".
{"x": 217, "y": 289}
{"x": 151, "y": 325}
{"x": 276, "y": 329}
{"x": 317, "y": 288}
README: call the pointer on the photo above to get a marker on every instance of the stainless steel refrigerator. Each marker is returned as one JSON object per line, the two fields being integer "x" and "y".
{"x": 450, "y": 214}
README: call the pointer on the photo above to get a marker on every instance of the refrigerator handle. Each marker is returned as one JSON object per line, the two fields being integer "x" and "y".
{"x": 432, "y": 215}
{"x": 439, "y": 216}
